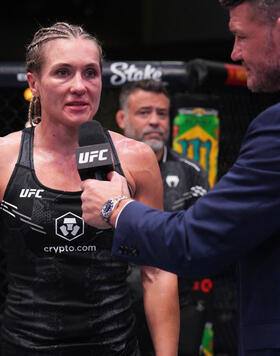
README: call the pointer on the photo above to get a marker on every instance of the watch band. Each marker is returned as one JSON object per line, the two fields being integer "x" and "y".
{"x": 109, "y": 206}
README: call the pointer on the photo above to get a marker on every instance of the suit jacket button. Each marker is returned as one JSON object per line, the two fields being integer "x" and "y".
{"x": 135, "y": 252}
{"x": 121, "y": 250}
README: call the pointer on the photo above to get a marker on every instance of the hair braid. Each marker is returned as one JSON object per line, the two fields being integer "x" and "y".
{"x": 34, "y": 112}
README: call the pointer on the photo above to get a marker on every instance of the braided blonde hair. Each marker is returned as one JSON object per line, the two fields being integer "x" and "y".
{"x": 34, "y": 57}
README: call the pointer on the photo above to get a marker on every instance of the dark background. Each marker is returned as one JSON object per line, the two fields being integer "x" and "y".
{"x": 148, "y": 30}
{"x": 129, "y": 30}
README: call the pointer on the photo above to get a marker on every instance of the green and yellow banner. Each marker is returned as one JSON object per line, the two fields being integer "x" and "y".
{"x": 196, "y": 135}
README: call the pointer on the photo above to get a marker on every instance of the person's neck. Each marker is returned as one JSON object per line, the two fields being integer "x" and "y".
{"x": 56, "y": 138}
{"x": 159, "y": 154}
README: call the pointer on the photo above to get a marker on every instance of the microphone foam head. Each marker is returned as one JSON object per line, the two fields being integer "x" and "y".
{"x": 91, "y": 133}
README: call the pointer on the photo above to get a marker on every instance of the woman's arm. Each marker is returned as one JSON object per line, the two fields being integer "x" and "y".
{"x": 160, "y": 288}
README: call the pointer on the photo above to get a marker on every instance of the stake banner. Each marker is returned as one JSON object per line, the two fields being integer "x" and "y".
{"x": 196, "y": 135}
{"x": 177, "y": 75}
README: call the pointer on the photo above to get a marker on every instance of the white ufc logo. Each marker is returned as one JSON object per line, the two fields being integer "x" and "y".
{"x": 88, "y": 157}
{"x": 28, "y": 193}
{"x": 172, "y": 181}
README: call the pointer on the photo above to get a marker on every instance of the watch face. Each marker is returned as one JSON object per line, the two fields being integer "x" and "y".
{"x": 107, "y": 208}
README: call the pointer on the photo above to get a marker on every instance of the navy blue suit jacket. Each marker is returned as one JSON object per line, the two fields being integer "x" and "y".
{"x": 238, "y": 220}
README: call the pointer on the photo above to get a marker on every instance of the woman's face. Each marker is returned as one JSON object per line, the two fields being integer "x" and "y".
{"x": 69, "y": 84}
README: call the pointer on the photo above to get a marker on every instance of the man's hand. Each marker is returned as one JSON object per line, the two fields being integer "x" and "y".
{"x": 96, "y": 193}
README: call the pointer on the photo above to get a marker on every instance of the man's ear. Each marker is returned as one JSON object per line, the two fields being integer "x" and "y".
{"x": 276, "y": 31}
{"x": 32, "y": 82}
{"x": 120, "y": 116}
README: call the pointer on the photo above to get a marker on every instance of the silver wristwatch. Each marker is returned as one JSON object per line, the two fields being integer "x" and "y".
{"x": 109, "y": 206}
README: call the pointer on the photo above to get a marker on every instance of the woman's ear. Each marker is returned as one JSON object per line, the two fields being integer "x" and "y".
{"x": 277, "y": 31}
{"x": 32, "y": 82}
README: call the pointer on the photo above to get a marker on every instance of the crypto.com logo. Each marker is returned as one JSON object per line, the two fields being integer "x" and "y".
{"x": 69, "y": 226}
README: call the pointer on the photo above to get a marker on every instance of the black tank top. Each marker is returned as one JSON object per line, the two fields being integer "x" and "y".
{"x": 65, "y": 289}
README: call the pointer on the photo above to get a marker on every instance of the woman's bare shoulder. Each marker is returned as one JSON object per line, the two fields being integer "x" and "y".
{"x": 9, "y": 147}
{"x": 10, "y": 142}
{"x": 141, "y": 169}
{"x": 9, "y": 150}
{"x": 129, "y": 148}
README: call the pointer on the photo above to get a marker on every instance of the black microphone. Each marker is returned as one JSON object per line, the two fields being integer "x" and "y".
{"x": 94, "y": 156}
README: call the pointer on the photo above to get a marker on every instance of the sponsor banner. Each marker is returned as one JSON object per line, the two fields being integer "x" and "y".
{"x": 175, "y": 74}
{"x": 195, "y": 135}
{"x": 114, "y": 74}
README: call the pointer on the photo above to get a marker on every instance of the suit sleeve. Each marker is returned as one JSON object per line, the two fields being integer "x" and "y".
{"x": 237, "y": 215}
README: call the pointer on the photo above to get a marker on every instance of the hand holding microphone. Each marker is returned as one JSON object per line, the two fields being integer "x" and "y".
{"x": 94, "y": 162}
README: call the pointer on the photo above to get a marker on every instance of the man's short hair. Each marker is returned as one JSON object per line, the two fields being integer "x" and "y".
{"x": 268, "y": 9}
{"x": 149, "y": 85}
{"x": 230, "y": 3}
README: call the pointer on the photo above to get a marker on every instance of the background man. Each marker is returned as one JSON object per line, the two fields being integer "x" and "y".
{"x": 144, "y": 116}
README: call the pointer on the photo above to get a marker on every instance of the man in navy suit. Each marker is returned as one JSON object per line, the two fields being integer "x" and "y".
{"x": 239, "y": 219}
